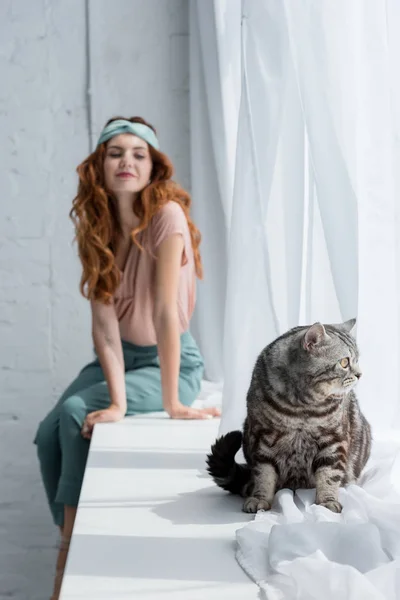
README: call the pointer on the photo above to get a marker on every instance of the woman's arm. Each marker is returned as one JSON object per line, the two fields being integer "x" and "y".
{"x": 166, "y": 322}
{"x": 107, "y": 342}
{"x": 166, "y": 318}
{"x": 108, "y": 346}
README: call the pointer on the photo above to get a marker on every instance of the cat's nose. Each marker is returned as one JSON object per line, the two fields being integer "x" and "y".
{"x": 358, "y": 374}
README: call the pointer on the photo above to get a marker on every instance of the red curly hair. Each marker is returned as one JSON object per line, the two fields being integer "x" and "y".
{"x": 97, "y": 227}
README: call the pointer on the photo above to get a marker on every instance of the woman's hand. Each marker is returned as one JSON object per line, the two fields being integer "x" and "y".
{"x": 108, "y": 415}
{"x": 180, "y": 411}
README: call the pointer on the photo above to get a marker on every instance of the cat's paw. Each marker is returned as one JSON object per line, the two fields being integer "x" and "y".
{"x": 252, "y": 505}
{"x": 333, "y": 505}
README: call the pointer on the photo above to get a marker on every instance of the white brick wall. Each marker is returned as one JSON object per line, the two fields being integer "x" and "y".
{"x": 139, "y": 66}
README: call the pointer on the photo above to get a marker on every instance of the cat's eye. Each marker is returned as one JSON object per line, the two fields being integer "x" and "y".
{"x": 344, "y": 363}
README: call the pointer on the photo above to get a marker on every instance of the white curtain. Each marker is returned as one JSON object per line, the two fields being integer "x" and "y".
{"x": 314, "y": 229}
{"x": 214, "y": 102}
{"x": 314, "y": 234}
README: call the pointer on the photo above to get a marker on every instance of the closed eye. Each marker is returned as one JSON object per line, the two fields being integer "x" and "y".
{"x": 118, "y": 155}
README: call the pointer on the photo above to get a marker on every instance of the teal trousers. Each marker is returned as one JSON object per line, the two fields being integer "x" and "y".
{"x": 62, "y": 451}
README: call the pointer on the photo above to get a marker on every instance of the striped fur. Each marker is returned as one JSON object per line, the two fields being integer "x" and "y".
{"x": 304, "y": 427}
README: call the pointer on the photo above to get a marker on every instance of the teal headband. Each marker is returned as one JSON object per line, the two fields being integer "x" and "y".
{"x": 122, "y": 126}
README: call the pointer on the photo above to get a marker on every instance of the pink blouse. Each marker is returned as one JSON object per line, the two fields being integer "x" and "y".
{"x": 134, "y": 297}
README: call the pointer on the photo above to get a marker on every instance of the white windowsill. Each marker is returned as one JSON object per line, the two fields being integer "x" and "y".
{"x": 151, "y": 524}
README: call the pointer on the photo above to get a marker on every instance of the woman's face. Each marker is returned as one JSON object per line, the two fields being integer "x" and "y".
{"x": 127, "y": 164}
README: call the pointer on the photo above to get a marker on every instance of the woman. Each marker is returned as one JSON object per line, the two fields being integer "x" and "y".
{"x": 140, "y": 256}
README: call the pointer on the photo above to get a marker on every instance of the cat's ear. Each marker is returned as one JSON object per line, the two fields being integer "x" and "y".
{"x": 349, "y": 326}
{"x": 314, "y": 336}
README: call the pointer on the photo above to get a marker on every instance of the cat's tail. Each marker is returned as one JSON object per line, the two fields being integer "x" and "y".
{"x": 226, "y": 472}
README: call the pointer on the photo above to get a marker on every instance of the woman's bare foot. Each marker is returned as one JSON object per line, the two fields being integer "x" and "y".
{"x": 60, "y": 566}
{"x": 66, "y": 534}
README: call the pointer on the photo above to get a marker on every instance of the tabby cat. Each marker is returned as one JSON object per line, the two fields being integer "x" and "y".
{"x": 304, "y": 427}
